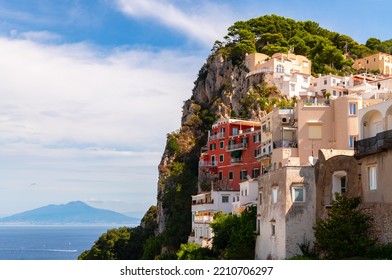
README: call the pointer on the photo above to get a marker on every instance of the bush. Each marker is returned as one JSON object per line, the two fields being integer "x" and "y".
{"x": 345, "y": 233}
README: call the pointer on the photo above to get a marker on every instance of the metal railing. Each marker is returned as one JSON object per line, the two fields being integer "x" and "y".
{"x": 285, "y": 144}
{"x": 203, "y": 163}
{"x": 219, "y": 135}
{"x": 236, "y": 160}
{"x": 237, "y": 146}
{"x": 381, "y": 142}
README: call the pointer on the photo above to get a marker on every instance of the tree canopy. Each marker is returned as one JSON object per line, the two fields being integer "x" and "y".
{"x": 271, "y": 33}
{"x": 345, "y": 233}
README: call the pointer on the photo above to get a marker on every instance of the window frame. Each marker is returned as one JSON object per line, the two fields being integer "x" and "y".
{"x": 372, "y": 177}
{"x": 231, "y": 175}
{"x": 293, "y": 197}
{"x": 274, "y": 195}
{"x": 225, "y": 198}
{"x": 352, "y": 108}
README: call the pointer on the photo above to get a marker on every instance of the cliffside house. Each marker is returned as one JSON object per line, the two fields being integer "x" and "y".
{"x": 381, "y": 62}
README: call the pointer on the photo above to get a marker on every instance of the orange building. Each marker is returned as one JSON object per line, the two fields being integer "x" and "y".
{"x": 230, "y": 156}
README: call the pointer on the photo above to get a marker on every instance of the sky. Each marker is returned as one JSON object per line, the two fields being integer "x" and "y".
{"x": 90, "y": 88}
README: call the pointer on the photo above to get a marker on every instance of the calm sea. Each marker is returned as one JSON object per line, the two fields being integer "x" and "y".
{"x": 47, "y": 242}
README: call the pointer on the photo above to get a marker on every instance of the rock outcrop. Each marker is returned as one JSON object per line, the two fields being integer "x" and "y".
{"x": 218, "y": 93}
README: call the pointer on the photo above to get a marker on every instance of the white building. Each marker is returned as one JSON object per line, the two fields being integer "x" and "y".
{"x": 333, "y": 84}
{"x": 204, "y": 207}
{"x": 249, "y": 191}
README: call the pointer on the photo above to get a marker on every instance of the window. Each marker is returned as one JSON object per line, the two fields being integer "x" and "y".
{"x": 260, "y": 198}
{"x": 225, "y": 199}
{"x": 339, "y": 182}
{"x": 256, "y": 138}
{"x": 298, "y": 194}
{"x": 352, "y": 109}
{"x": 274, "y": 195}
{"x": 243, "y": 174}
{"x": 255, "y": 173}
{"x": 221, "y": 144}
{"x": 220, "y": 175}
{"x": 234, "y": 131}
{"x": 372, "y": 174}
{"x": 325, "y": 82}
{"x": 334, "y": 93}
{"x": 279, "y": 68}
{"x": 231, "y": 175}
{"x": 273, "y": 229}
{"x": 314, "y": 131}
{"x": 256, "y": 152}
{"x": 213, "y": 161}
{"x": 221, "y": 158}
{"x": 352, "y": 139}
{"x": 343, "y": 184}
{"x": 212, "y": 146}
{"x": 258, "y": 226}
{"x": 305, "y": 79}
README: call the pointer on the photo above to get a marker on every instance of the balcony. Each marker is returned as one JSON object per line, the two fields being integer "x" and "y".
{"x": 381, "y": 142}
{"x": 317, "y": 102}
{"x": 203, "y": 163}
{"x": 236, "y": 160}
{"x": 285, "y": 144}
{"x": 237, "y": 147}
{"x": 219, "y": 135}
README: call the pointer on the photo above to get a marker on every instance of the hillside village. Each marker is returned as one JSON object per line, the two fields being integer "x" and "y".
{"x": 335, "y": 136}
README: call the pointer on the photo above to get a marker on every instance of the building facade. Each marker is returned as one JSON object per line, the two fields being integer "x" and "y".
{"x": 381, "y": 62}
{"x": 230, "y": 156}
{"x": 286, "y": 212}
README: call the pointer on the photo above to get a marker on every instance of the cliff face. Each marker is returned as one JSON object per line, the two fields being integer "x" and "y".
{"x": 218, "y": 93}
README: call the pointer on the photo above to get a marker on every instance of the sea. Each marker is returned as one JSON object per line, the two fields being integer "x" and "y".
{"x": 48, "y": 242}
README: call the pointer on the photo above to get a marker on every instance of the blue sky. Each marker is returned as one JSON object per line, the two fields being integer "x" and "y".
{"x": 89, "y": 89}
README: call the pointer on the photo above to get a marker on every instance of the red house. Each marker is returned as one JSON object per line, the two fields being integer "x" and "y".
{"x": 230, "y": 156}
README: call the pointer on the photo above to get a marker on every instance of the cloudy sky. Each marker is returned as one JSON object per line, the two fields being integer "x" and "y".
{"x": 90, "y": 88}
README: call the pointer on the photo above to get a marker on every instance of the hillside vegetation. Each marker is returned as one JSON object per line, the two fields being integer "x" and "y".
{"x": 329, "y": 51}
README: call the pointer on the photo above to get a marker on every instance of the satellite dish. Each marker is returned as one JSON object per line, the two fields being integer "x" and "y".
{"x": 313, "y": 160}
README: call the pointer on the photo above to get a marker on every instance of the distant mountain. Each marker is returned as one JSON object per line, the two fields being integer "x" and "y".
{"x": 75, "y": 212}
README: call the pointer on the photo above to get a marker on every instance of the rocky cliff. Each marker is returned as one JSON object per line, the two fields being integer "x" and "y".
{"x": 220, "y": 91}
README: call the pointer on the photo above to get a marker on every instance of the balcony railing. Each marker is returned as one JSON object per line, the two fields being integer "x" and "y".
{"x": 236, "y": 160}
{"x": 381, "y": 142}
{"x": 219, "y": 135}
{"x": 234, "y": 147}
{"x": 285, "y": 144}
{"x": 203, "y": 163}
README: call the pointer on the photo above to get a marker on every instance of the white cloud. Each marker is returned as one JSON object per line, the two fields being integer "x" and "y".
{"x": 82, "y": 123}
{"x": 204, "y": 22}
{"x": 37, "y": 36}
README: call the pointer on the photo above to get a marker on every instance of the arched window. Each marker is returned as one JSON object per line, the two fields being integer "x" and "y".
{"x": 279, "y": 68}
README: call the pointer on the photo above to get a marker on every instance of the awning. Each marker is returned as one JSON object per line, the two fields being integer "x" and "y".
{"x": 236, "y": 154}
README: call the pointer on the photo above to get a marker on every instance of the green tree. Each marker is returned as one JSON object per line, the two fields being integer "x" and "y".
{"x": 193, "y": 251}
{"x": 345, "y": 233}
{"x": 234, "y": 236}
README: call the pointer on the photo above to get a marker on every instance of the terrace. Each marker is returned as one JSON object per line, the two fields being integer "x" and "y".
{"x": 381, "y": 142}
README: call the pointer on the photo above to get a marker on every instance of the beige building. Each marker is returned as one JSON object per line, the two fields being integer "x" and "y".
{"x": 297, "y": 134}
{"x": 379, "y": 61}
{"x": 286, "y": 212}
{"x": 290, "y": 73}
